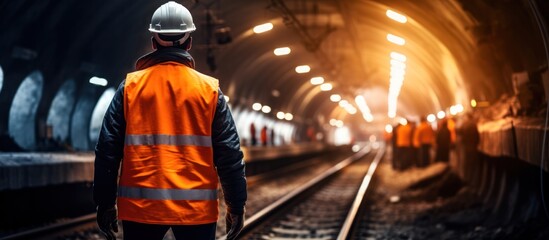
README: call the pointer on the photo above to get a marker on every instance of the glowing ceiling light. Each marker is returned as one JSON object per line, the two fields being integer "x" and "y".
{"x": 403, "y": 121}
{"x": 459, "y": 108}
{"x": 441, "y": 115}
{"x": 302, "y": 69}
{"x": 282, "y": 51}
{"x": 280, "y": 115}
{"x": 288, "y": 116}
{"x": 396, "y": 39}
{"x": 351, "y": 110}
{"x": 335, "y": 98}
{"x": 388, "y": 128}
{"x": 398, "y": 56}
{"x": 473, "y": 103}
{"x": 431, "y": 117}
{"x": 326, "y": 87}
{"x": 333, "y": 122}
{"x": 256, "y": 106}
{"x": 453, "y": 110}
{"x": 226, "y": 98}
{"x": 317, "y": 80}
{"x": 397, "y": 64}
{"x": 99, "y": 81}
{"x": 266, "y": 109}
{"x": 263, "y": 28}
{"x": 343, "y": 103}
{"x": 339, "y": 123}
{"x": 396, "y": 16}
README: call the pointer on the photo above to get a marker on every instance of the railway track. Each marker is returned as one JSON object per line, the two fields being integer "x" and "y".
{"x": 323, "y": 208}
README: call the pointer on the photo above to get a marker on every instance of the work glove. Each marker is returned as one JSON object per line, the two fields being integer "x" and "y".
{"x": 106, "y": 219}
{"x": 234, "y": 224}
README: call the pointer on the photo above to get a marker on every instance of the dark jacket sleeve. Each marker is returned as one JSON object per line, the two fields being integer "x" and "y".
{"x": 228, "y": 157}
{"x": 109, "y": 151}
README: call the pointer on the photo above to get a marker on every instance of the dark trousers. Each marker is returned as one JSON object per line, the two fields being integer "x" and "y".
{"x": 138, "y": 231}
{"x": 424, "y": 155}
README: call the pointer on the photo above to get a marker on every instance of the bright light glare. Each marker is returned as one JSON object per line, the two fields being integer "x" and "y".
{"x": 266, "y": 109}
{"x": 355, "y": 148}
{"x": 317, "y": 80}
{"x": 396, "y": 39}
{"x": 333, "y": 122}
{"x": 396, "y": 16}
{"x": 99, "y": 81}
{"x": 339, "y": 123}
{"x": 403, "y": 121}
{"x": 373, "y": 138}
{"x": 398, "y": 56}
{"x": 441, "y": 115}
{"x": 302, "y": 69}
{"x": 280, "y": 115}
{"x": 256, "y": 106}
{"x": 288, "y": 116}
{"x": 431, "y": 117}
{"x": 388, "y": 128}
{"x": 343, "y": 103}
{"x": 363, "y": 107}
{"x": 263, "y": 28}
{"x": 326, "y": 87}
{"x": 226, "y": 98}
{"x": 282, "y": 51}
{"x": 335, "y": 98}
{"x": 473, "y": 103}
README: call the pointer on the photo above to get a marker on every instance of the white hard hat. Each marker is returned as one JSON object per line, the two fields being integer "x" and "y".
{"x": 171, "y": 19}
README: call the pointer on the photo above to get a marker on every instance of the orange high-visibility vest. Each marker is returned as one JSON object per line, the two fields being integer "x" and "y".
{"x": 404, "y": 136}
{"x": 168, "y": 175}
{"x": 424, "y": 134}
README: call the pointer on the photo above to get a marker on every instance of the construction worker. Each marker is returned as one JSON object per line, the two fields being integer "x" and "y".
{"x": 172, "y": 129}
{"x": 424, "y": 137}
{"x": 404, "y": 145}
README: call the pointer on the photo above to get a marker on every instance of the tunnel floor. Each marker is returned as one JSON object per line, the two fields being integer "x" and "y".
{"x": 433, "y": 203}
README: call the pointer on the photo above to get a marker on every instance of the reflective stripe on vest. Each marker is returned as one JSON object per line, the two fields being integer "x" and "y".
{"x": 164, "y": 139}
{"x": 167, "y": 194}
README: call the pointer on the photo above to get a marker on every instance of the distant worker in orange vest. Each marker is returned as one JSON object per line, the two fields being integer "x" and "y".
{"x": 174, "y": 133}
{"x": 404, "y": 146}
{"x": 264, "y": 136}
{"x": 424, "y": 137}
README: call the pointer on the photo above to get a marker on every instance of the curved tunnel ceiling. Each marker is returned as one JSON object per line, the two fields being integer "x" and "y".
{"x": 456, "y": 50}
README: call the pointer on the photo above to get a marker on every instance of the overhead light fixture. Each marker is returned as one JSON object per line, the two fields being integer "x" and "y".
{"x": 343, "y": 103}
{"x": 441, "y": 114}
{"x": 396, "y": 39}
{"x": 317, "y": 80}
{"x": 326, "y": 87}
{"x": 99, "y": 81}
{"x": 403, "y": 121}
{"x": 335, "y": 98}
{"x": 303, "y": 69}
{"x": 282, "y": 51}
{"x": 396, "y": 16}
{"x": 431, "y": 117}
{"x": 388, "y": 128}
{"x": 263, "y": 28}
{"x": 280, "y": 115}
{"x": 288, "y": 116}
{"x": 256, "y": 106}
{"x": 473, "y": 103}
{"x": 398, "y": 56}
{"x": 266, "y": 109}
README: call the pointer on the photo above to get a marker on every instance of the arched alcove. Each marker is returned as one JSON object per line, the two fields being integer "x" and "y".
{"x": 1, "y": 78}
{"x": 59, "y": 114}
{"x": 80, "y": 122}
{"x": 23, "y": 110}
{"x": 99, "y": 113}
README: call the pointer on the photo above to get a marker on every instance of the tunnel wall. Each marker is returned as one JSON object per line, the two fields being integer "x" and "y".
{"x": 503, "y": 166}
